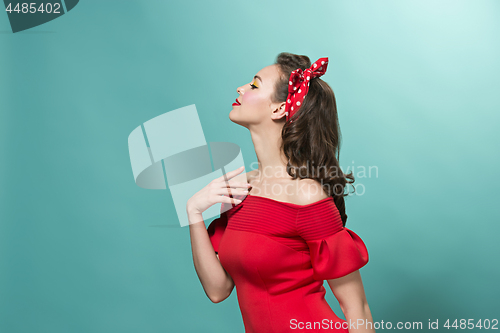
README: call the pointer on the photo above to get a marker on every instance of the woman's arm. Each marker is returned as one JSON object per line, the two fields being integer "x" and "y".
{"x": 216, "y": 282}
{"x": 350, "y": 293}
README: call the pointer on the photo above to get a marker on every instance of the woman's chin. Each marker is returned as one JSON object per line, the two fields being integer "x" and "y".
{"x": 234, "y": 117}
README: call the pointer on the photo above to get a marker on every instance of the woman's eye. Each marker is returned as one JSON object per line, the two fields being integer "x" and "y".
{"x": 253, "y": 86}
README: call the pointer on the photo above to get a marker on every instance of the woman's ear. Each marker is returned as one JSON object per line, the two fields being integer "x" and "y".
{"x": 279, "y": 112}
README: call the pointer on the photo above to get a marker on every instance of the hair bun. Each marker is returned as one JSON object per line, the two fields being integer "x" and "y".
{"x": 294, "y": 60}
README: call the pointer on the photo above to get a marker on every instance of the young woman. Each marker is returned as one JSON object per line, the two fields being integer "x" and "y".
{"x": 279, "y": 243}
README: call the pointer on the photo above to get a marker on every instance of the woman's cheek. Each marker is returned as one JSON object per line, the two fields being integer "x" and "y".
{"x": 251, "y": 99}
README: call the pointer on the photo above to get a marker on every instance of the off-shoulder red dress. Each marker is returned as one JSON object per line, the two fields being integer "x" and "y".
{"x": 279, "y": 254}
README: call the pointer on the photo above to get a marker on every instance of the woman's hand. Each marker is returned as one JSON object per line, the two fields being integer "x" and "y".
{"x": 218, "y": 190}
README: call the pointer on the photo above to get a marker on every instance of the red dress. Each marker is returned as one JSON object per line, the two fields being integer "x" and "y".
{"x": 278, "y": 254}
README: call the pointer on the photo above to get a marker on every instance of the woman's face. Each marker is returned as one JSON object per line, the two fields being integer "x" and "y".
{"x": 255, "y": 104}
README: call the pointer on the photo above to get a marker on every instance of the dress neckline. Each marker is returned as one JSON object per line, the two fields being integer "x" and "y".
{"x": 290, "y": 203}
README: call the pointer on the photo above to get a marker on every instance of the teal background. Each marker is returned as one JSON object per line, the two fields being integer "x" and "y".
{"x": 84, "y": 249}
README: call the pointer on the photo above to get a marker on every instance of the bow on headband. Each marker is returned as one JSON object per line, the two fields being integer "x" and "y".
{"x": 298, "y": 85}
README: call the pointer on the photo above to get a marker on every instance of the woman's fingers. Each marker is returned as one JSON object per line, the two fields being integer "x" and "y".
{"x": 231, "y": 174}
{"x": 230, "y": 200}
{"x": 237, "y": 184}
{"x": 228, "y": 191}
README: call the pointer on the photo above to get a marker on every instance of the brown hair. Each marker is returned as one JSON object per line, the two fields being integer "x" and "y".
{"x": 312, "y": 141}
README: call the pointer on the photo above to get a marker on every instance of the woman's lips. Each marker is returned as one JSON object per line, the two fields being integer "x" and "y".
{"x": 237, "y": 103}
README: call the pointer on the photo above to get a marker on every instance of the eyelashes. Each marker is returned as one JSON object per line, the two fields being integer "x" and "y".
{"x": 253, "y": 86}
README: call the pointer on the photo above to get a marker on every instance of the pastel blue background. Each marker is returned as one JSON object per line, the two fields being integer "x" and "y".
{"x": 84, "y": 249}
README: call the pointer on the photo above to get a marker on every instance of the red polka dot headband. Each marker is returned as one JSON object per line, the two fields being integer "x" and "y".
{"x": 298, "y": 85}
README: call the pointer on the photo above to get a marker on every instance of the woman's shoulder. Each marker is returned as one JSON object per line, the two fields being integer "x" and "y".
{"x": 309, "y": 191}
{"x": 297, "y": 191}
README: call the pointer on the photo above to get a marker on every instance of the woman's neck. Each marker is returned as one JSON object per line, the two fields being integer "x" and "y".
{"x": 271, "y": 159}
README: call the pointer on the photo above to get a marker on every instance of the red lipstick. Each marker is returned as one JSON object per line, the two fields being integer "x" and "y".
{"x": 237, "y": 103}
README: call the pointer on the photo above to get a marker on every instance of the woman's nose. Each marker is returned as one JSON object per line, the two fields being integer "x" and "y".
{"x": 239, "y": 90}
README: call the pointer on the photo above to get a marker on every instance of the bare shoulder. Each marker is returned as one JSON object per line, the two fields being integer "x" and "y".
{"x": 309, "y": 191}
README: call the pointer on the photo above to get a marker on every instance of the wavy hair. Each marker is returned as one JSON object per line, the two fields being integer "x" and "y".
{"x": 312, "y": 141}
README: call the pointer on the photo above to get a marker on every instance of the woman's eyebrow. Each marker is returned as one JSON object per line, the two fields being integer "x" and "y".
{"x": 257, "y": 77}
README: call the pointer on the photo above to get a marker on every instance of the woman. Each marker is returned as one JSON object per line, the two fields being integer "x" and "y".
{"x": 280, "y": 242}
